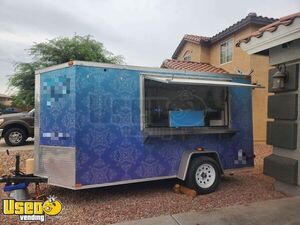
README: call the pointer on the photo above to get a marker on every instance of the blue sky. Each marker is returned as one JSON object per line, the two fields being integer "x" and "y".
{"x": 145, "y": 32}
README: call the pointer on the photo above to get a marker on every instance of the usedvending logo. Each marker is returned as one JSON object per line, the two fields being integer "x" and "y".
{"x": 32, "y": 210}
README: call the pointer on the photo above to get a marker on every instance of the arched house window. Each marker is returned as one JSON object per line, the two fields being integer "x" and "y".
{"x": 187, "y": 56}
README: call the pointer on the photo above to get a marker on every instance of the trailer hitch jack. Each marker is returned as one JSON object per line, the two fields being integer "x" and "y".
{"x": 16, "y": 184}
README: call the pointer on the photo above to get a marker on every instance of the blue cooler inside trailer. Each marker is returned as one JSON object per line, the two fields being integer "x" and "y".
{"x": 186, "y": 118}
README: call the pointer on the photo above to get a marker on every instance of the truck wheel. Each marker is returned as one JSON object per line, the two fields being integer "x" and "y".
{"x": 15, "y": 137}
{"x": 203, "y": 175}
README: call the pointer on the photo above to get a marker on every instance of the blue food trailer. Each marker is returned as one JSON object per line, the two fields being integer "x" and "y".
{"x": 101, "y": 124}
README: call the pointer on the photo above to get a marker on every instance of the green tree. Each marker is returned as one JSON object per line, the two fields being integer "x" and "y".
{"x": 52, "y": 52}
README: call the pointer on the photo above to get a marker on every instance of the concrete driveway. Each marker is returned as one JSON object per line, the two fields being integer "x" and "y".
{"x": 28, "y": 146}
{"x": 283, "y": 211}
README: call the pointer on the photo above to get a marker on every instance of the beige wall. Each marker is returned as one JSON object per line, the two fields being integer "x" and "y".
{"x": 195, "y": 51}
{"x": 240, "y": 59}
{"x": 5, "y": 101}
{"x": 198, "y": 52}
{"x": 205, "y": 54}
{"x": 260, "y": 65}
{"x": 244, "y": 62}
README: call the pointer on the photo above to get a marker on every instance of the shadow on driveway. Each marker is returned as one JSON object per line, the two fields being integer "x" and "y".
{"x": 28, "y": 146}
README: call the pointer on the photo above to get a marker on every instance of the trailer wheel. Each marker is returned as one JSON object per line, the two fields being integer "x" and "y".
{"x": 203, "y": 175}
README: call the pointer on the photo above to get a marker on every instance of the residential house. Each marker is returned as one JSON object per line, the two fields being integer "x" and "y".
{"x": 5, "y": 100}
{"x": 219, "y": 54}
{"x": 281, "y": 42}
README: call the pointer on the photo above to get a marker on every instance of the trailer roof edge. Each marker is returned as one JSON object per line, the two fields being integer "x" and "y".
{"x": 51, "y": 68}
{"x": 130, "y": 67}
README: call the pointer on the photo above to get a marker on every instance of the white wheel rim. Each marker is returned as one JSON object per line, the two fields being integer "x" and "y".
{"x": 15, "y": 137}
{"x": 205, "y": 175}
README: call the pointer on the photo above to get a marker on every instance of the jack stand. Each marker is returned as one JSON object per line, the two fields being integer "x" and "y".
{"x": 16, "y": 183}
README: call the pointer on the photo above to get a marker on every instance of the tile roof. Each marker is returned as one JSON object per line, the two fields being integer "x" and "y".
{"x": 195, "y": 38}
{"x": 191, "y": 66}
{"x": 285, "y": 21}
{"x": 251, "y": 18}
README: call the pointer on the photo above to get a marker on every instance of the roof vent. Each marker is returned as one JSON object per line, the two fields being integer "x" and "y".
{"x": 252, "y": 14}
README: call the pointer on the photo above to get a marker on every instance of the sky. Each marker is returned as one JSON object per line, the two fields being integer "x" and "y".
{"x": 145, "y": 32}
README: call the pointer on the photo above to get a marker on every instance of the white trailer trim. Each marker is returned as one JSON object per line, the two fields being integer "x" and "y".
{"x": 198, "y": 81}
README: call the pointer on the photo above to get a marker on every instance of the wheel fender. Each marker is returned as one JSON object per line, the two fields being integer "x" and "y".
{"x": 16, "y": 123}
{"x": 189, "y": 154}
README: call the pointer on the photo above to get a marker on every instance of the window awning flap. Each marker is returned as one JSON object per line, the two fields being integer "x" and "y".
{"x": 197, "y": 81}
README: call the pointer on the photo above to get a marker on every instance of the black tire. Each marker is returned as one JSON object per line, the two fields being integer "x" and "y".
{"x": 22, "y": 136}
{"x": 205, "y": 184}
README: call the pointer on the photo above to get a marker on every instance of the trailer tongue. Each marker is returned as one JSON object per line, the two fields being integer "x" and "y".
{"x": 17, "y": 182}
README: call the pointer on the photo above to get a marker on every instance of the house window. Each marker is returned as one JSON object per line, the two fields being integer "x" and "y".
{"x": 187, "y": 56}
{"x": 226, "y": 51}
{"x": 184, "y": 105}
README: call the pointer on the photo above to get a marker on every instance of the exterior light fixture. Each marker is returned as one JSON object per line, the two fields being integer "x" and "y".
{"x": 200, "y": 149}
{"x": 280, "y": 78}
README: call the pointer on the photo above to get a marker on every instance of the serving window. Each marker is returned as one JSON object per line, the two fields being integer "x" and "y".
{"x": 173, "y": 105}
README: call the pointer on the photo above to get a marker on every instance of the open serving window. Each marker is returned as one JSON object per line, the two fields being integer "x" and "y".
{"x": 177, "y": 105}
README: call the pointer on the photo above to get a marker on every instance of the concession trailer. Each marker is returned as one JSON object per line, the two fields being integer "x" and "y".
{"x": 102, "y": 124}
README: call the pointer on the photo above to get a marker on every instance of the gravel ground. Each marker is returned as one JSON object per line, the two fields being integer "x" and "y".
{"x": 135, "y": 201}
